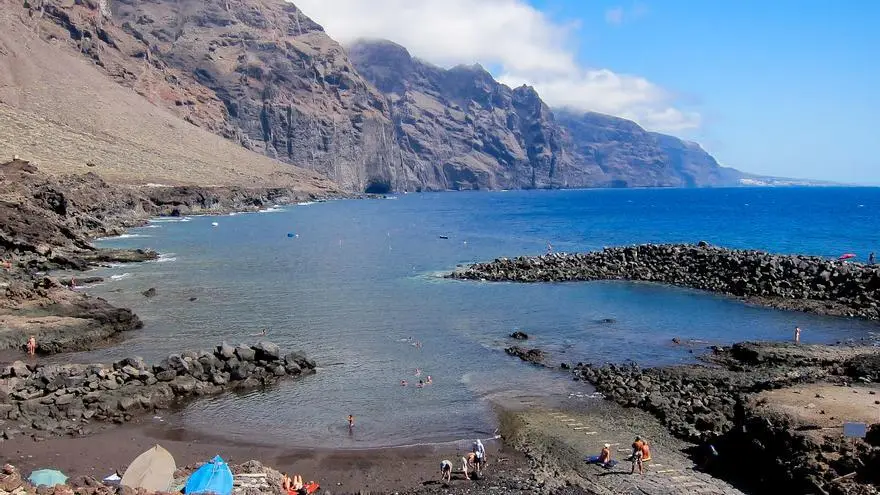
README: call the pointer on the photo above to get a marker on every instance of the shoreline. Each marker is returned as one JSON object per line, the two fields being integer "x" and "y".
{"x": 784, "y": 282}
{"x": 56, "y": 229}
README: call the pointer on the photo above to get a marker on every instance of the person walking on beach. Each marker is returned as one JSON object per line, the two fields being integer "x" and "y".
{"x": 639, "y": 448}
{"x": 479, "y": 457}
{"x": 797, "y": 335}
{"x": 445, "y": 470}
{"x": 32, "y": 346}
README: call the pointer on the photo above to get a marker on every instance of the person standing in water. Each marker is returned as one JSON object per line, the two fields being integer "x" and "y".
{"x": 871, "y": 258}
{"x": 350, "y": 421}
{"x": 797, "y": 335}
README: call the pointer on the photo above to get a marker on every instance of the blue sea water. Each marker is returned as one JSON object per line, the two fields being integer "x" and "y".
{"x": 358, "y": 284}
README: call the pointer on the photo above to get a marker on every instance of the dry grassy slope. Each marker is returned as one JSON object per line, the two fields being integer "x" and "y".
{"x": 59, "y": 111}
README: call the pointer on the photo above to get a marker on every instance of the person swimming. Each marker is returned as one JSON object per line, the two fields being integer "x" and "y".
{"x": 421, "y": 384}
{"x": 418, "y": 372}
{"x": 402, "y": 383}
{"x": 428, "y": 381}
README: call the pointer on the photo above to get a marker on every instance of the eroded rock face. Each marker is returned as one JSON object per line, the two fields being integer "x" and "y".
{"x": 286, "y": 88}
{"x": 461, "y": 129}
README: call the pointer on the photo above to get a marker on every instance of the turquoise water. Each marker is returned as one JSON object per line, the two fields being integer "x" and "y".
{"x": 361, "y": 278}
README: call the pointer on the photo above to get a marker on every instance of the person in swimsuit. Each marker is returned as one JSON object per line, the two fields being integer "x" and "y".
{"x": 350, "y": 421}
{"x": 445, "y": 470}
{"x": 32, "y": 346}
{"x": 467, "y": 463}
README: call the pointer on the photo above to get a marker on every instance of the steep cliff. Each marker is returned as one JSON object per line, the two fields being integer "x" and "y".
{"x": 372, "y": 118}
{"x": 463, "y": 126}
{"x": 630, "y": 156}
{"x": 461, "y": 129}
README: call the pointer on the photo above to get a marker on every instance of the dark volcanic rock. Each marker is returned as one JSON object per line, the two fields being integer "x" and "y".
{"x": 534, "y": 356}
{"x": 42, "y": 396}
{"x": 151, "y": 292}
{"x": 518, "y": 335}
{"x": 806, "y": 283}
{"x": 718, "y": 405}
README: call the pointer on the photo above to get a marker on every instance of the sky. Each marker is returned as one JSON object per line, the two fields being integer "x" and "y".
{"x": 785, "y": 88}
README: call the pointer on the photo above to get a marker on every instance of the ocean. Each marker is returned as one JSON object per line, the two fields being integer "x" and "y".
{"x": 356, "y": 284}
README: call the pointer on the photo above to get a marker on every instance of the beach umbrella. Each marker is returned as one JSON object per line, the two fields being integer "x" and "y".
{"x": 847, "y": 256}
{"x": 48, "y": 477}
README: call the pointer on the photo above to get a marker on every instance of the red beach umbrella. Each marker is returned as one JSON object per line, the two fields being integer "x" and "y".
{"x": 847, "y": 256}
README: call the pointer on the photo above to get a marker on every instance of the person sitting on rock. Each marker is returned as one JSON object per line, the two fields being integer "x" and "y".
{"x": 445, "y": 470}
{"x": 604, "y": 457}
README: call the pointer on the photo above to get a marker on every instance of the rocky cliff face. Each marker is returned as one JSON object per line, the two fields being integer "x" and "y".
{"x": 630, "y": 156}
{"x": 461, "y": 129}
{"x": 465, "y": 127}
{"x": 264, "y": 75}
{"x": 288, "y": 90}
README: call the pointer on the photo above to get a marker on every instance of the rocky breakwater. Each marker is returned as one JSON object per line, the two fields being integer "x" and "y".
{"x": 806, "y": 283}
{"x": 780, "y": 405}
{"x": 65, "y": 399}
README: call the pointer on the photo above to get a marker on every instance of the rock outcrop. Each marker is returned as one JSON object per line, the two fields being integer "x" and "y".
{"x": 726, "y": 405}
{"x": 59, "y": 399}
{"x": 807, "y": 283}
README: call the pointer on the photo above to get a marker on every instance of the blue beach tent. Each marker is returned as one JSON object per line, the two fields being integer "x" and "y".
{"x": 213, "y": 477}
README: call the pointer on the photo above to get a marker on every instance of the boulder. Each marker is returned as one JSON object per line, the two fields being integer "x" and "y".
{"x": 183, "y": 385}
{"x": 151, "y": 292}
{"x": 245, "y": 353}
{"x": 20, "y": 369}
{"x": 225, "y": 351}
{"x": 518, "y": 335}
{"x": 267, "y": 351}
{"x": 534, "y": 356}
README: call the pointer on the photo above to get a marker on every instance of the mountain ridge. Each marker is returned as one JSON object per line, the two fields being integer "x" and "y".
{"x": 369, "y": 116}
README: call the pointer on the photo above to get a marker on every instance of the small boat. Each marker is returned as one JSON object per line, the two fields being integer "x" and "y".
{"x": 444, "y": 237}
{"x": 213, "y": 477}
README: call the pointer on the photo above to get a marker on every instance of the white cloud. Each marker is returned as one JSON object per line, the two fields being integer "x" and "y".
{"x": 527, "y": 46}
{"x": 618, "y": 15}
{"x": 614, "y": 16}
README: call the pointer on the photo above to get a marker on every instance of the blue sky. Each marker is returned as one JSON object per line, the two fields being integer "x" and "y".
{"x": 777, "y": 87}
{"x": 784, "y": 87}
